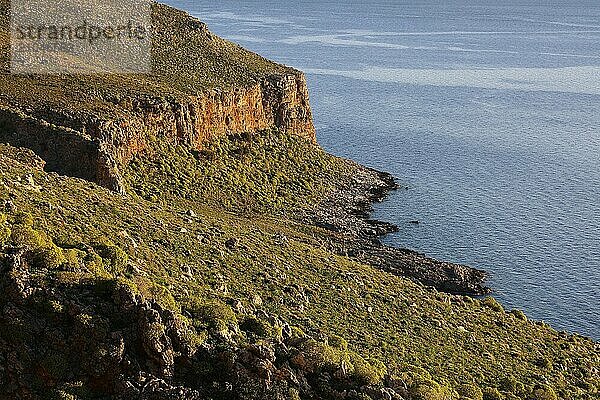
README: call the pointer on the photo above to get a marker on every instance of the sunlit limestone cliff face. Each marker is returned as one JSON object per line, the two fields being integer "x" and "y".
{"x": 201, "y": 87}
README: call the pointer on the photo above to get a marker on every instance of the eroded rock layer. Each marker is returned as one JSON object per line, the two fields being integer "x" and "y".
{"x": 201, "y": 86}
{"x": 94, "y": 149}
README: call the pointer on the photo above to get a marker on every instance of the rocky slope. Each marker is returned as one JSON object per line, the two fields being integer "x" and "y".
{"x": 99, "y": 338}
{"x": 167, "y": 297}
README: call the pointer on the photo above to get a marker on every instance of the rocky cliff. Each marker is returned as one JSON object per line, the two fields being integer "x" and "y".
{"x": 96, "y": 148}
{"x": 91, "y": 126}
{"x": 247, "y": 270}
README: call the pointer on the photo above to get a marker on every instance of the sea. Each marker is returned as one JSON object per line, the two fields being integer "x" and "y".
{"x": 487, "y": 112}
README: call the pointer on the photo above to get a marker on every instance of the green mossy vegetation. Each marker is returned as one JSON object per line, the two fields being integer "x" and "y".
{"x": 492, "y": 394}
{"x": 261, "y": 328}
{"x": 519, "y": 315}
{"x": 214, "y": 315}
{"x": 493, "y": 304}
{"x": 432, "y": 391}
{"x": 375, "y": 326}
{"x": 115, "y": 259}
{"x": 470, "y": 392}
{"x": 544, "y": 392}
{"x": 5, "y": 231}
{"x": 263, "y": 172}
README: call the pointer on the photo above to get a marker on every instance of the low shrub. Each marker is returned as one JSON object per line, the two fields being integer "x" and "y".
{"x": 413, "y": 376}
{"x": 23, "y": 235}
{"x": 194, "y": 339}
{"x": 115, "y": 259}
{"x": 297, "y": 333}
{"x": 518, "y": 314}
{"x": 544, "y": 363}
{"x": 492, "y": 394}
{"x": 73, "y": 259}
{"x": 51, "y": 257}
{"x": 5, "y": 234}
{"x": 95, "y": 265}
{"x": 261, "y": 328}
{"x": 215, "y": 315}
{"x": 4, "y": 230}
{"x": 156, "y": 292}
{"x": 430, "y": 390}
{"x": 62, "y": 395}
{"x": 509, "y": 384}
{"x": 368, "y": 372}
{"x": 313, "y": 356}
{"x": 544, "y": 392}
{"x": 294, "y": 394}
{"x": 470, "y": 392}
{"x": 493, "y": 304}
{"x": 338, "y": 342}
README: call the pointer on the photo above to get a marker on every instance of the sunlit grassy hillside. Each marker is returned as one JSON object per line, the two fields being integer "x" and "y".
{"x": 217, "y": 227}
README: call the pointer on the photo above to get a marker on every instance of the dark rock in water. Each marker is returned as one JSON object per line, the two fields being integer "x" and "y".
{"x": 346, "y": 213}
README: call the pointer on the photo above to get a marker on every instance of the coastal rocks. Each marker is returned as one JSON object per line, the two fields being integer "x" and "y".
{"x": 346, "y": 212}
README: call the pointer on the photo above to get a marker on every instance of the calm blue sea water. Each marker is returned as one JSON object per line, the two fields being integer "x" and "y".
{"x": 489, "y": 113}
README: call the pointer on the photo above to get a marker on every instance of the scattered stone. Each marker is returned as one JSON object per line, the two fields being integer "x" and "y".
{"x": 257, "y": 300}
{"x": 232, "y": 243}
{"x": 30, "y": 180}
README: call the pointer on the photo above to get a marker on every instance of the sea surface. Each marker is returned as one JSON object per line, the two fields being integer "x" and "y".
{"x": 489, "y": 113}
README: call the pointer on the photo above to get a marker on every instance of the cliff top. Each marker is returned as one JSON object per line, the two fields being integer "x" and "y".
{"x": 187, "y": 59}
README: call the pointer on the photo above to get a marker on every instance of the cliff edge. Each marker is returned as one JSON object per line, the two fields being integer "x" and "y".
{"x": 202, "y": 86}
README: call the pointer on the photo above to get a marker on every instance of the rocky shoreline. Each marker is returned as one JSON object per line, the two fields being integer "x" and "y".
{"x": 346, "y": 212}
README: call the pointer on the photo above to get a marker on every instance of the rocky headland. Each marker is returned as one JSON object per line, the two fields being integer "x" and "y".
{"x": 202, "y": 86}
{"x": 347, "y": 211}
{"x": 181, "y": 235}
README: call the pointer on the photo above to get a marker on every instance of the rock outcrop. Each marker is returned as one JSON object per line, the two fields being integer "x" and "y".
{"x": 201, "y": 87}
{"x": 94, "y": 149}
{"x": 98, "y": 332}
{"x": 99, "y": 339}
